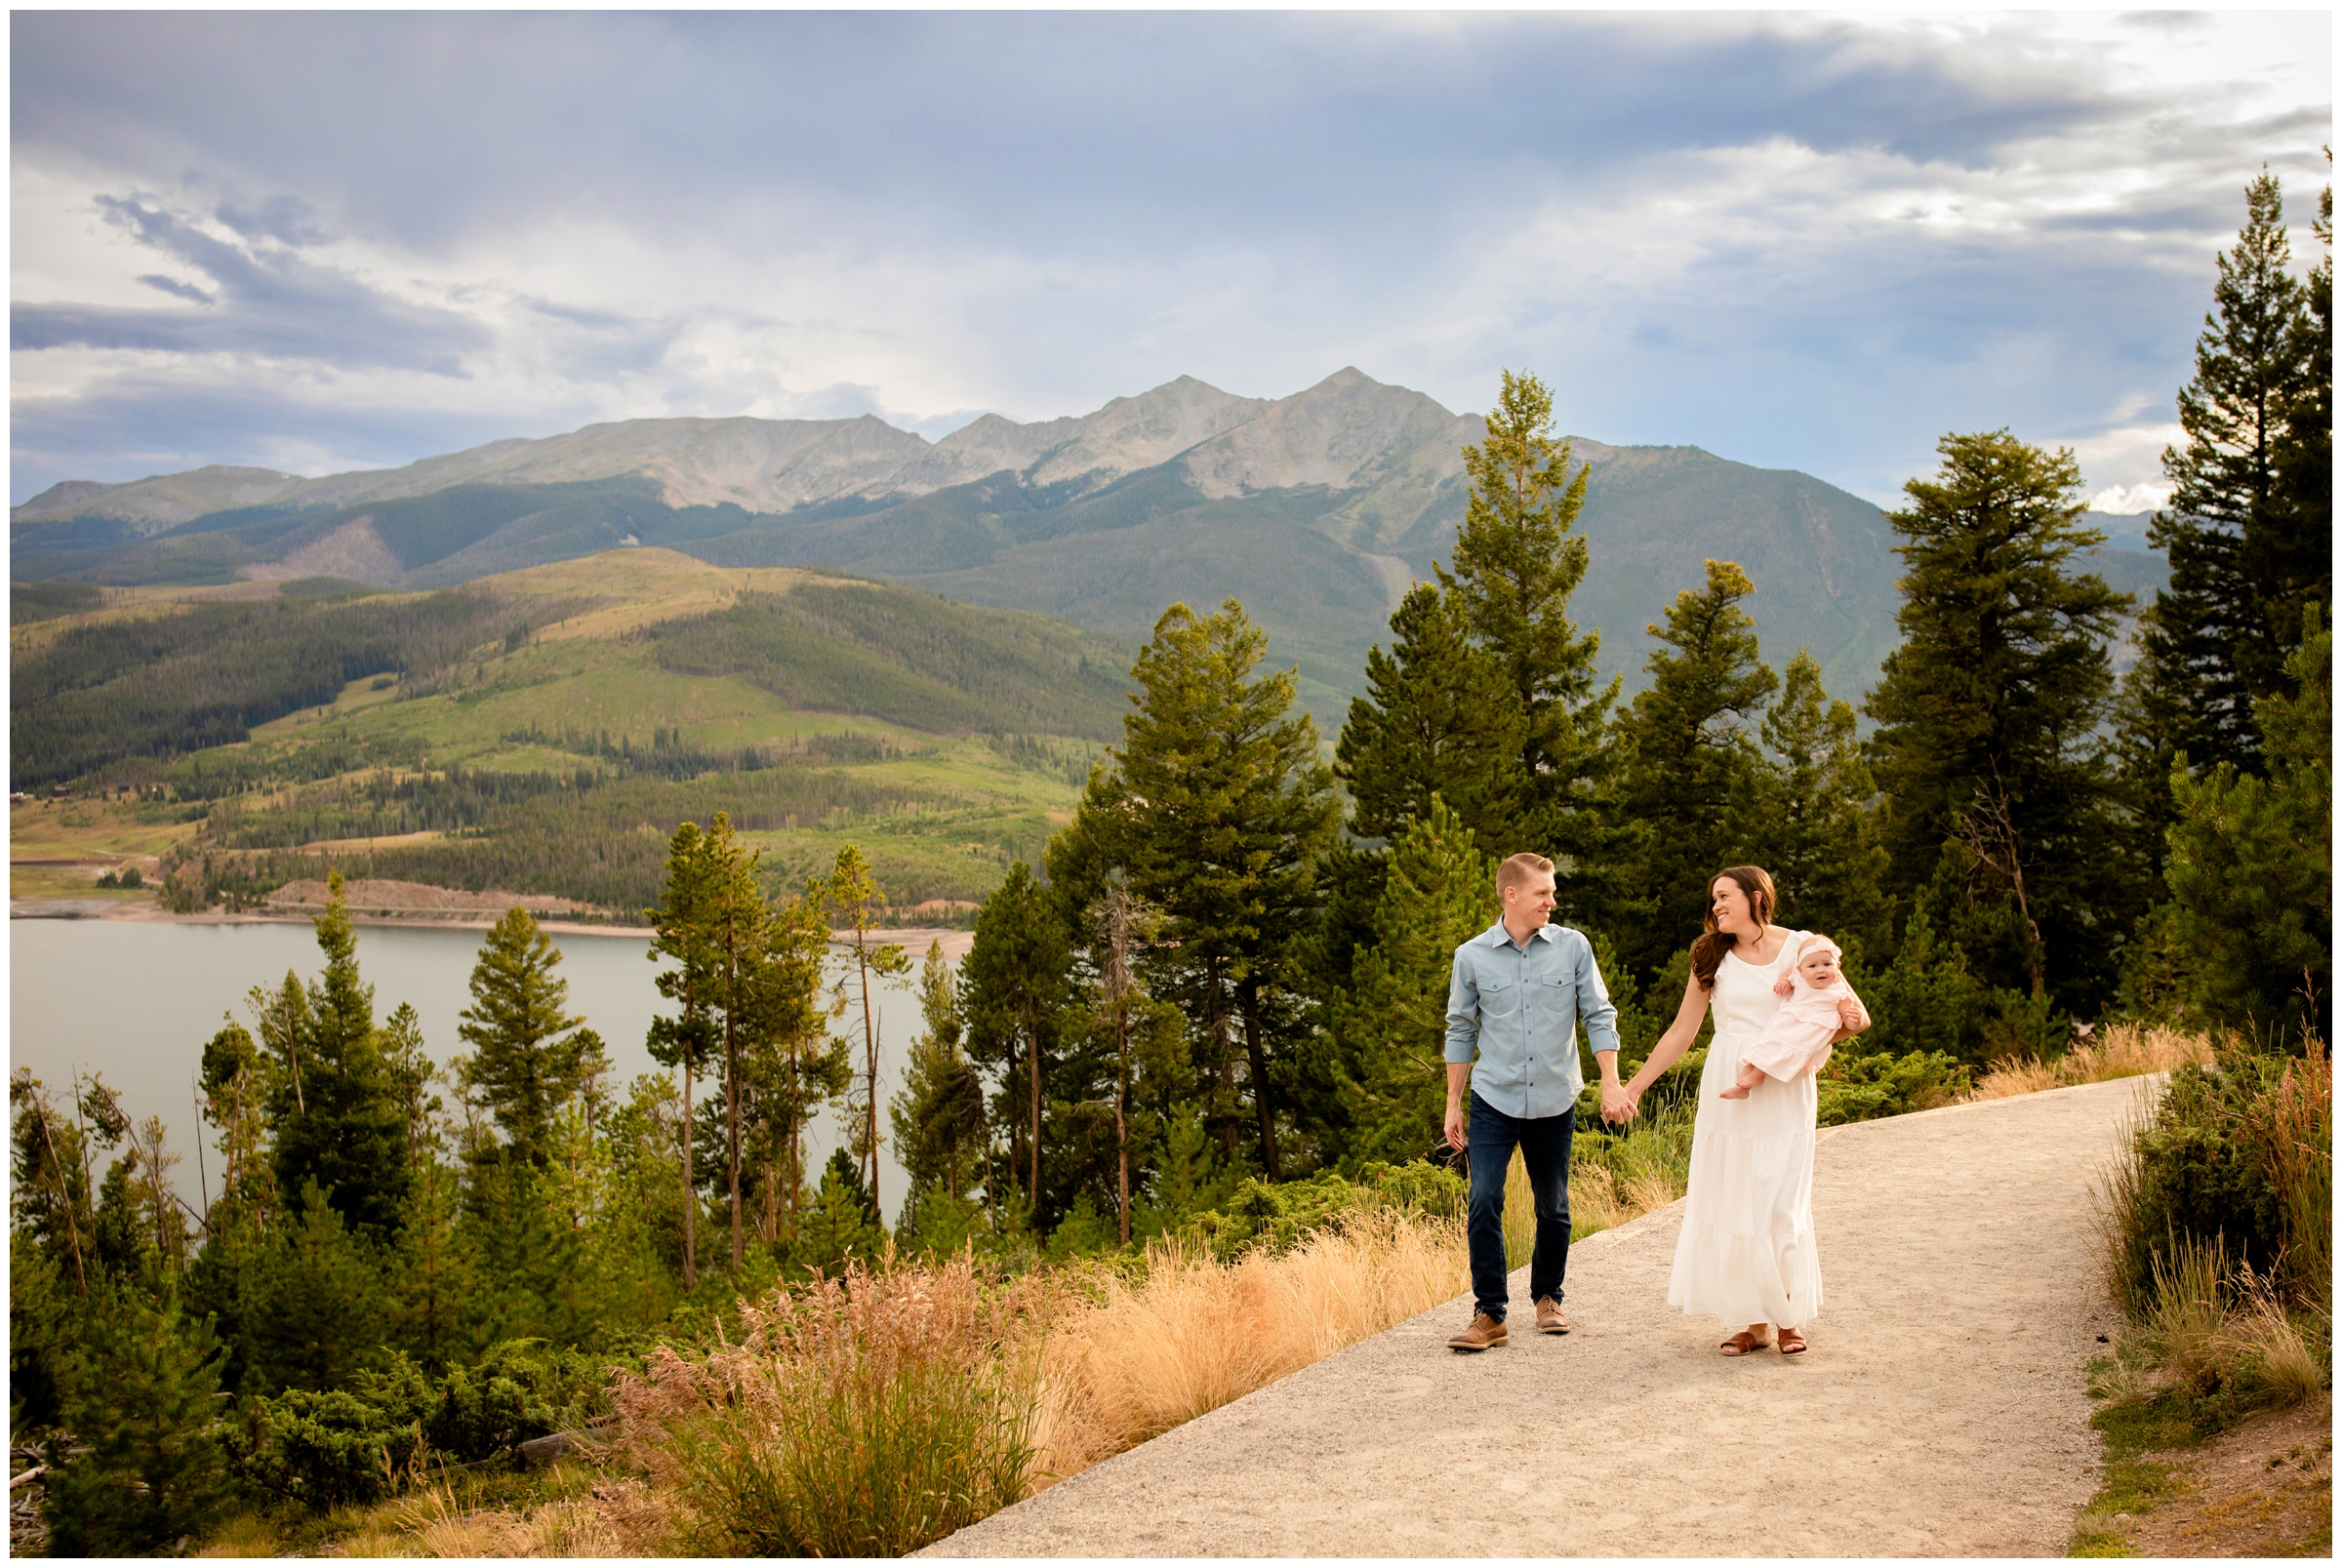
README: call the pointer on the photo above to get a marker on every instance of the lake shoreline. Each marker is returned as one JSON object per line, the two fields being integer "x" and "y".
{"x": 956, "y": 942}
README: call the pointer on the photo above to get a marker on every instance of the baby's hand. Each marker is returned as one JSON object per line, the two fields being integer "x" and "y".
{"x": 1784, "y": 985}
{"x": 1849, "y": 1013}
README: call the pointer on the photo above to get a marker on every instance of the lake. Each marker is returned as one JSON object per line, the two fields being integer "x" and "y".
{"x": 137, "y": 1000}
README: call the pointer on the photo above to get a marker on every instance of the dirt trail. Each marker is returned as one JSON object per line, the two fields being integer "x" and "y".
{"x": 1941, "y": 1410}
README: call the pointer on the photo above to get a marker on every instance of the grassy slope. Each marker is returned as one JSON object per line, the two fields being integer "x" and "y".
{"x": 588, "y": 674}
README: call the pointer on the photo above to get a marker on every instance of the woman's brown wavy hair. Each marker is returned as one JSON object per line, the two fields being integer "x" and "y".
{"x": 1709, "y": 951}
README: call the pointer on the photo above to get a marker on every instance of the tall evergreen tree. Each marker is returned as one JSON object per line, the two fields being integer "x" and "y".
{"x": 2251, "y": 862}
{"x": 680, "y": 935}
{"x": 938, "y": 1120}
{"x": 790, "y": 1064}
{"x": 337, "y": 1118}
{"x": 1518, "y": 560}
{"x": 1016, "y": 994}
{"x": 529, "y": 1057}
{"x": 2295, "y": 557}
{"x": 1989, "y": 752}
{"x": 1819, "y": 839}
{"x": 1691, "y": 766}
{"x": 1439, "y": 714}
{"x": 1390, "y": 1022}
{"x": 1123, "y": 925}
{"x": 1216, "y": 808}
{"x": 852, "y": 895}
{"x": 410, "y": 1071}
{"x": 234, "y": 1100}
{"x": 49, "y": 1188}
{"x": 2244, "y": 558}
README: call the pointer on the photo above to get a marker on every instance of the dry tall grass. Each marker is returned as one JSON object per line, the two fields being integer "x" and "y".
{"x": 2117, "y": 1051}
{"x": 1193, "y": 1334}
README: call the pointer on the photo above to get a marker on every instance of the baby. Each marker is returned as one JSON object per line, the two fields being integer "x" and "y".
{"x": 1798, "y": 1039}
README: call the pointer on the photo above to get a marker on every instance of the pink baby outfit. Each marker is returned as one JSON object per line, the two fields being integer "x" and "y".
{"x": 1798, "y": 1039}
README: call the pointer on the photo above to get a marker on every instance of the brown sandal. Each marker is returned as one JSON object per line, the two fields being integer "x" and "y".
{"x": 1741, "y": 1343}
{"x": 1791, "y": 1342}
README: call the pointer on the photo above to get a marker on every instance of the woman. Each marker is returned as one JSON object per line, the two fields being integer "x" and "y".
{"x": 1746, "y": 1252}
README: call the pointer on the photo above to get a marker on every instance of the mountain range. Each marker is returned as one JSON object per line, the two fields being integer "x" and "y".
{"x": 1316, "y": 511}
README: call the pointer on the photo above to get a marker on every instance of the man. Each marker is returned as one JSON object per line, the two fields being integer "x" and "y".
{"x": 1518, "y": 990}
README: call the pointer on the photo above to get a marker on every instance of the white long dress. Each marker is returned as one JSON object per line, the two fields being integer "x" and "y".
{"x": 1746, "y": 1252}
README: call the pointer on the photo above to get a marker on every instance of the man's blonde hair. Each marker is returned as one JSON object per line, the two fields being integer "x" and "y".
{"x": 1517, "y": 871}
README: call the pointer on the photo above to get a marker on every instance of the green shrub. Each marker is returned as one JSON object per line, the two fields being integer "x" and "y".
{"x": 1278, "y": 1214}
{"x": 1862, "y": 1088}
{"x": 522, "y": 1388}
{"x": 354, "y": 1444}
{"x": 2191, "y": 1171}
{"x": 322, "y": 1449}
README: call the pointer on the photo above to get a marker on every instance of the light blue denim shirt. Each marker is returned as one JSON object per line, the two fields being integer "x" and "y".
{"x": 1520, "y": 1006}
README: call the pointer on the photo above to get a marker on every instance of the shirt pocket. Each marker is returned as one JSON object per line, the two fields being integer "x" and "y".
{"x": 1499, "y": 998}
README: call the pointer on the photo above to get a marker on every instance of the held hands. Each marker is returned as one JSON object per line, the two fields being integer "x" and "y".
{"x": 1618, "y": 1105}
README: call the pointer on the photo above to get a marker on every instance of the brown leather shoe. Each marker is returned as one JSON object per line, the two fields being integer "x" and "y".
{"x": 1549, "y": 1316}
{"x": 1484, "y": 1333}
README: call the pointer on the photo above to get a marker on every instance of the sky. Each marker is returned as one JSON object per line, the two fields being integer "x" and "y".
{"x": 316, "y": 242}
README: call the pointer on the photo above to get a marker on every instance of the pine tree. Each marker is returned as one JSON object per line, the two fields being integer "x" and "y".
{"x": 2242, "y": 564}
{"x": 852, "y": 894}
{"x": 336, "y": 1116}
{"x": 1691, "y": 766}
{"x": 49, "y": 1190}
{"x": 1518, "y": 560}
{"x": 1819, "y": 840}
{"x": 1439, "y": 715}
{"x": 736, "y": 921}
{"x": 2295, "y": 557}
{"x": 680, "y": 935}
{"x": 1015, "y": 996}
{"x": 148, "y": 1471}
{"x": 790, "y": 1064}
{"x": 1392, "y": 1021}
{"x": 410, "y": 1071}
{"x": 938, "y": 1120}
{"x": 1998, "y": 782}
{"x": 2251, "y": 862}
{"x": 435, "y": 1271}
{"x": 1216, "y": 809}
{"x": 316, "y": 1299}
{"x": 1124, "y": 924}
{"x": 842, "y": 1222}
{"x": 529, "y": 1057}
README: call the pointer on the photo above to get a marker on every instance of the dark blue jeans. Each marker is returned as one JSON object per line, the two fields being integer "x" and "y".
{"x": 1544, "y": 1143}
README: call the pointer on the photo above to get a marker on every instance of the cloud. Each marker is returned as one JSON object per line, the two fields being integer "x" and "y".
{"x": 1801, "y": 241}
{"x": 269, "y": 302}
{"x": 184, "y": 291}
{"x": 286, "y": 218}
{"x": 2128, "y": 499}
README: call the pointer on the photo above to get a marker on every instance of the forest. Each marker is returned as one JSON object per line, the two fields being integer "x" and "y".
{"x": 1214, "y": 996}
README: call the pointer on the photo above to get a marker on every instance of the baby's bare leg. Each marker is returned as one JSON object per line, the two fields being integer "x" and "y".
{"x": 1751, "y": 1075}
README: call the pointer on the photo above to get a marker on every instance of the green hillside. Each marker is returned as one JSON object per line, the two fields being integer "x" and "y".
{"x": 1316, "y": 511}
{"x": 544, "y": 731}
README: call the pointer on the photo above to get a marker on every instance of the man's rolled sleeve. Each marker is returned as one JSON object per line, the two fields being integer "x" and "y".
{"x": 1464, "y": 1011}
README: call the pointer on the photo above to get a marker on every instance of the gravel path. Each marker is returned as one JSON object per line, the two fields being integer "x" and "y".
{"x": 1941, "y": 1410}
